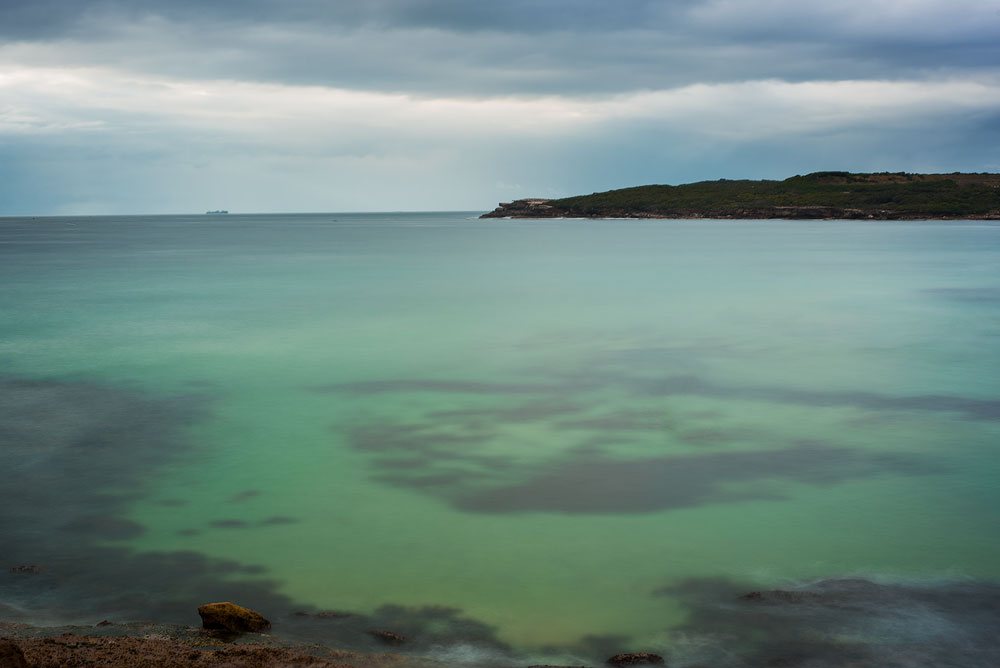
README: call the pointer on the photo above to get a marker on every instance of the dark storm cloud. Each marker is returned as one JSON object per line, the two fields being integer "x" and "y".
{"x": 55, "y": 17}
{"x": 447, "y": 46}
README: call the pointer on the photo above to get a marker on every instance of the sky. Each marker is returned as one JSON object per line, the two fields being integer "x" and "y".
{"x": 155, "y": 106}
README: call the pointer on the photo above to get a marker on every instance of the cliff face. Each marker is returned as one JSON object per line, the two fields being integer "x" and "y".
{"x": 823, "y": 195}
{"x": 525, "y": 208}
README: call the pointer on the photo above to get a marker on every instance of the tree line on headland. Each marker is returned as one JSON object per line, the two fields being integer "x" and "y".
{"x": 881, "y": 196}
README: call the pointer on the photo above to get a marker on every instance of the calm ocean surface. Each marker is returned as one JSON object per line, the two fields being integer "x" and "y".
{"x": 546, "y": 440}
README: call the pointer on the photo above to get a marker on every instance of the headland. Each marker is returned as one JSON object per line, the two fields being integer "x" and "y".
{"x": 820, "y": 195}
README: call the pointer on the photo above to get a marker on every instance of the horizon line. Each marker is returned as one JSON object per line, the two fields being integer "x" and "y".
{"x": 234, "y": 213}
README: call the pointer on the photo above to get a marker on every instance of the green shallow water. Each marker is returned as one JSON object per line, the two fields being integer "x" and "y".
{"x": 550, "y": 426}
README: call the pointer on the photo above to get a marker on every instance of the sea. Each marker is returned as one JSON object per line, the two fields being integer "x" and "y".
{"x": 732, "y": 443}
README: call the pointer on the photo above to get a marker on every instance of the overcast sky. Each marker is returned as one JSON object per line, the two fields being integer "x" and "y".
{"x": 159, "y": 106}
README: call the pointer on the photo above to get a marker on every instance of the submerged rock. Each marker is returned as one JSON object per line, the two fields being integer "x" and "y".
{"x": 26, "y": 569}
{"x": 11, "y": 655}
{"x": 780, "y": 596}
{"x": 230, "y": 617}
{"x": 388, "y": 637}
{"x": 636, "y": 659}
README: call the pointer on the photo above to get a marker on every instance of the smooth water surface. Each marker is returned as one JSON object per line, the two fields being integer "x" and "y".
{"x": 560, "y": 437}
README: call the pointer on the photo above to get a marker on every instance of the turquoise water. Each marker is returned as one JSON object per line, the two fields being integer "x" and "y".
{"x": 547, "y": 437}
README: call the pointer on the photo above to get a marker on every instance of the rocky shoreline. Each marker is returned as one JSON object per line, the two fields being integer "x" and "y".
{"x": 142, "y": 644}
{"x": 544, "y": 208}
{"x": 173, "y": 646}
{"x": 231, "y": 636}
{"x": 823, "y": 624}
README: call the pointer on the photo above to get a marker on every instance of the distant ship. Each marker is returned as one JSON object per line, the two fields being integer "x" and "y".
{"x": 220, "y": 212}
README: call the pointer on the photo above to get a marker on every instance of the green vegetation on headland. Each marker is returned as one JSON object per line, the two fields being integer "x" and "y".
{"x": 882, "y": 196}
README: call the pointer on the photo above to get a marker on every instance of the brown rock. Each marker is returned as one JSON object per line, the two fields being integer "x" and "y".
{"x": 11, "y": 655}
{"x": 636, "y": 659}
{"x": 162, "y": 652}
{"x": 233, "y": 618}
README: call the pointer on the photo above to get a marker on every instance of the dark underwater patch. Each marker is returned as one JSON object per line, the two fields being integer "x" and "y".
{"x": 105, "y": 527}
{"x": 77, "y": 454}
{"x": 837, "y": 622}
{"x": 590, "y": 479}
{"x": 64, "y": 445}
{"x": 413, "y": 438}
{"x": 970, "y": 407}
{"x": 418, "y": 385}
{"x": 980, "y": 295}
{"x": 101, "y": 439}
{"x": 447, "y": 452}
{"x": 601, "y": 484}
{"x": 229, "y": 524}
{"x": 529, "y": 412}
{"x": 619, "y": 421}
{"x": 245, "y": 495}
{"x": 276, "y": 520}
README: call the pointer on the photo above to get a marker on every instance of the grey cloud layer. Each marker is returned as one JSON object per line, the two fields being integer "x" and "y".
{"x": 554, "y": 47}
{"x": 115, "y": 106}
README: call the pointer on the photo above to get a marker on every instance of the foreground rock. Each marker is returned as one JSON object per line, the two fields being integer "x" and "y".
{"x": 146, "y": 645}
{"x": 636, "y": 659}
{"x": 11, "y": 655}
{"x": 232, "y": 618}
{"x": 76, "y": 650}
